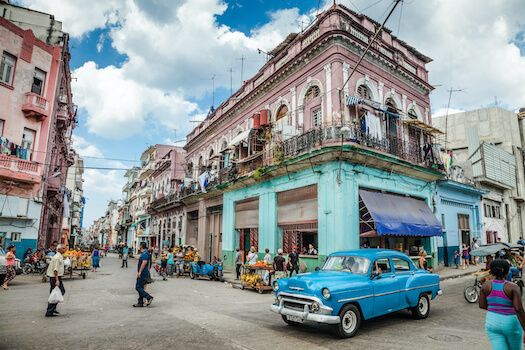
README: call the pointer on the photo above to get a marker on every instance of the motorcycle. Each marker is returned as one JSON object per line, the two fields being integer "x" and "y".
{"x": 39, "y": 266}
{"x": 213, "y": 270}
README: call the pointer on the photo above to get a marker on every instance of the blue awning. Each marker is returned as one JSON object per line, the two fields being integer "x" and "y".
{"x": 401, "y": 216}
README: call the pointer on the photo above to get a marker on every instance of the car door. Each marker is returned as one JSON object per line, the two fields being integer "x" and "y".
{"x": 385, "y": 287}
{"x": 404, "y": 271}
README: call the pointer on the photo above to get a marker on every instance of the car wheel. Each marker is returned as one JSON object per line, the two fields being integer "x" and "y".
{"x": 350, "y": 320}
{"x": 290, "y": 323}
{"x": 471, "y": 294}
{"x": 422, "y": 309}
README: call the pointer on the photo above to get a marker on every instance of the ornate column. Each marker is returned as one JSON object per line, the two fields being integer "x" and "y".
{"x": 346, "y": 92}
{"x": 293, "y": 91}
{"x": 328, "y": 92}
{"x": 380, "y": 86}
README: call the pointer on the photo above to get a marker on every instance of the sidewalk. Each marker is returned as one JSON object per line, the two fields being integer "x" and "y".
{"x": 444, "y": 273}
{"x": 447, "y": 273}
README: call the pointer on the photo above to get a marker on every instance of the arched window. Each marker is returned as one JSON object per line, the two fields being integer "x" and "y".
{"x": 283, "y": 112}
{"x": 391, "y": 105}
{"x": 313, "y": 92}
{"x": 363, "y": 91}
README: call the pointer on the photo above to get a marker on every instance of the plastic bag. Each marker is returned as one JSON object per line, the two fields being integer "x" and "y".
{"x": 56, "y": 296}
{"x": 67, "y": 262}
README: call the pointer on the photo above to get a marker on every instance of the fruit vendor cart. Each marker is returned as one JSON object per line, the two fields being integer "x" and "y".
{"x": 255, "y": 279}
{"x": 80, "y": 264}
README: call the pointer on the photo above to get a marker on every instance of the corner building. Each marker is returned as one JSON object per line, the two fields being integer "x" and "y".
{"x": 297, "y": 157}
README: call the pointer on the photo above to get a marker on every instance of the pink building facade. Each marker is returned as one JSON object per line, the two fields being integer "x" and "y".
{"x": 36, "y": 119}
{"x": 301, "y": 104}
{"x": 167, "y": 212}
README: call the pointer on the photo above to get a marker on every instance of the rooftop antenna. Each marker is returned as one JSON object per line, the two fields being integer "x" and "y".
{"x": 446, "y": 115}
{"x": 268, "y": 55}
{"x": 242, "y": 66}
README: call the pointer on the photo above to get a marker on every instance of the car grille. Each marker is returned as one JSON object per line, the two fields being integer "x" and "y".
{"x": 293, "y": 305}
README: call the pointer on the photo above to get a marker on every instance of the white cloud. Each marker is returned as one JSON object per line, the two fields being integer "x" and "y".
{"x": 443, "y": 111}
{"x": 119, "y": 107}
{"x": 472, "y": 46}
{"x": 78, "y": 17}
{"x": 84, "y": 148}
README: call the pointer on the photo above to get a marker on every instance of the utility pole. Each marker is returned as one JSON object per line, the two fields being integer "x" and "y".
{"x": 242, "y": 66}
{"x": 446, "y": 115}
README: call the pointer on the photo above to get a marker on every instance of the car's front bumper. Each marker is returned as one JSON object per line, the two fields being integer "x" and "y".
{"x": 323, "y": 315}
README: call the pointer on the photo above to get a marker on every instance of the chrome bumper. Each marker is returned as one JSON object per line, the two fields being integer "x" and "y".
{"x": 323, "y": 316}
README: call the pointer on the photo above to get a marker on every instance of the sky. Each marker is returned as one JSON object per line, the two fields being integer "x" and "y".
{"x": 143, "y": 69}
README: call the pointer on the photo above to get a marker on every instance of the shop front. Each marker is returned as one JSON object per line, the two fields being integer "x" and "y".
{"x": 324, "y": 206}
{"x": 398, "y": 222}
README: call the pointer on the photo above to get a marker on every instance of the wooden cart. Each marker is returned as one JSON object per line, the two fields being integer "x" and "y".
{"x": 261, "y": 271}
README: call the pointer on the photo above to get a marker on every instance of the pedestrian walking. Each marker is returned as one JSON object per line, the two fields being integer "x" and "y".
{"x": 279, "y": 265}
{"x": 267, "y": 261}
{"x": 293, "y": 259}
{"x": 475, "y": 246}
{"x": 465, "y": 256}
{"x": 238, "y": 263}
{"x": 125, "y": 255}
{"x": 505, "y": 320}
{"x": 55, "y": 271}
{"x": 142, "y": 276}
{"x": 10, "y": 259}
{"x": 180, "y": 262}
{"x": 170, "y": 263}
{"x": 252, "y": 258}
{"x": 95, "y": 257}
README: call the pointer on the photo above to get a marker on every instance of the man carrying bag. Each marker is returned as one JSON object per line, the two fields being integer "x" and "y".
{"x": 55, "y": 271}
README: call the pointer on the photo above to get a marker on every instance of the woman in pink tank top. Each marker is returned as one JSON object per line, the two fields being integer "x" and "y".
{"x": 505, "y": 319}
{"x": 10, "y": 265}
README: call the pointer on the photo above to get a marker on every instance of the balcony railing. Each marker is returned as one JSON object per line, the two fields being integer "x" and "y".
{"x": 326, "y": 135}
{"x": 17, "y": 164}
{"x": 35, "y": 106}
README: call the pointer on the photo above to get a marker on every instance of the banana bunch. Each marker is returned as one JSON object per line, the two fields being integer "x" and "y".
{"x": 250, "y": 278}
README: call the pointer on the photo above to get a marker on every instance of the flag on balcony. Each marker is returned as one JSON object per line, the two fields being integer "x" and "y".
{"x": 352, "y": 101}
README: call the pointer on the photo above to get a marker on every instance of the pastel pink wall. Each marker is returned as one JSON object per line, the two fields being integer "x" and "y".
{"x": 326, "y": 69}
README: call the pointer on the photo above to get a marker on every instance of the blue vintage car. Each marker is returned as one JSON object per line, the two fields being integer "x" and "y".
{"x": 355, "y": 285}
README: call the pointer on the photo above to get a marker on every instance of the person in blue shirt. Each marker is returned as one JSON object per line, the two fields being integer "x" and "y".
{"x": 142, "y": 276}
{"x": 125, "y": 251}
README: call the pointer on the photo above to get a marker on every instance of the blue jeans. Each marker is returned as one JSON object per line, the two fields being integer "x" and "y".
{"x": 504, "y": 331}
{"x": 141, "y": 282}
{"x": 513, "y": 271}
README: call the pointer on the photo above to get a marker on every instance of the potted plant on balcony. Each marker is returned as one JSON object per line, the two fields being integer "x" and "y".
{"x": 277, "y": 153}
{"x": 258, "y": 173}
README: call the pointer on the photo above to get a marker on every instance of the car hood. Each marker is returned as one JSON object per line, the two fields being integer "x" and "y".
{"x": 322, "y": 279}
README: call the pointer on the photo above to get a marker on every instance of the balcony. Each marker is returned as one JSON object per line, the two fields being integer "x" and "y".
{"x": 19, "y": 169}
{"x": 62, "y": 115}
{"x": 53, "y": 184}
{"x": 326, "y": 144}
{"x": 35, "y": 106}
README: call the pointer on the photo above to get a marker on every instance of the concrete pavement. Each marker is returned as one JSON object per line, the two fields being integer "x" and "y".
{"x": 199, "y": 314}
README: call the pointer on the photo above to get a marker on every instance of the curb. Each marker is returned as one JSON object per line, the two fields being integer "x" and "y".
{"x": 456, "y": 276}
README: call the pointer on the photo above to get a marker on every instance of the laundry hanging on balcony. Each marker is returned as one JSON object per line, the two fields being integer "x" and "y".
{"x": 203, "y": 181}
{"x": 352, "y": 101}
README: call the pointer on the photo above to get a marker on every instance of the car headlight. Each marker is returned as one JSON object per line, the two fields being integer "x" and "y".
{"x": 275, "y": 285}
{"x": 326, "y": 293}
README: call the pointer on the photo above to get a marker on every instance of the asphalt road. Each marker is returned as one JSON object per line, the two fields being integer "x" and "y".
{"x": 199, "y": 314}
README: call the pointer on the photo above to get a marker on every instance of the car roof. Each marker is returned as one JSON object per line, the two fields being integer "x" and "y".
{"x": 371, "y": 253}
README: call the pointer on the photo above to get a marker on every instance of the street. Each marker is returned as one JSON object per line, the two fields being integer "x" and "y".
{"x": 199, "y": 314}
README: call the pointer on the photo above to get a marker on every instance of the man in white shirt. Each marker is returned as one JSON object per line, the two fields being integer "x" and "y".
{"x": 55, "y": 271}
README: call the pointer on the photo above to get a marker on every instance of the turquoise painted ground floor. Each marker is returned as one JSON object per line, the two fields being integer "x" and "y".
{"x": 322, "y": 208}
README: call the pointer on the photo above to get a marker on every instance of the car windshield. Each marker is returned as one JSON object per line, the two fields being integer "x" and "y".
{"x": 353, "y": 264}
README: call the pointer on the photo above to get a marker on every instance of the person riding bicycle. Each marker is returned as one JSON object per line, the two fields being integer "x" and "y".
{"x": 516, "y": 262}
